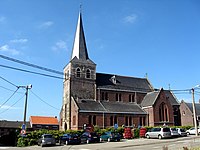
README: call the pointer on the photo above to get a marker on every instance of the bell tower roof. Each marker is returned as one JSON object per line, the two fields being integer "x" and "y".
{"x": 79, "y": 48}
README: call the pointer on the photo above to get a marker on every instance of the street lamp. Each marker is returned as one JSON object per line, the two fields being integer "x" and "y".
{"x": 194, "y": 110}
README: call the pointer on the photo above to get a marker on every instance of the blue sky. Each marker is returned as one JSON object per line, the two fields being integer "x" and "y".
{"x": 124, "y": 37}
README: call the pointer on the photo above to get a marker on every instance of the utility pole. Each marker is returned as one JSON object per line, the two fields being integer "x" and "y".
{"x": 194, "y": 113}
{"x": 25, "y": 105}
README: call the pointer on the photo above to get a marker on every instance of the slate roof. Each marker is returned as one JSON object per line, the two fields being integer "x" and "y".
{"x": 197, "y": 106}
{"x": 173, "y": 100}
{"x": 13, "y": 124}
{"x": 90, "y": 105}
{"x": 120, "y": 107}
{"x": 43, "y": 120}
{"x": 151, "y": 97}
{"x": 109, "y": 107}
{"x": 123, "y": 83}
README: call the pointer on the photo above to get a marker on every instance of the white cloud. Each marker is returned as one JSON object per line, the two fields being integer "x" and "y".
{"x": 60, "y": 45}
{"x": 131, "y": 18}
{"x": 2, "y": 19}
{"x": 9, "y": 107}
{"x": 7, "y": 49}
{"x": 19, "y": 41}
{"x": 46, "y": 24}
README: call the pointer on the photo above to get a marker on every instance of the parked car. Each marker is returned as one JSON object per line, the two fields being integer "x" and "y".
{"x": 69, "y": 139}
{"x": 174, "y": 132}
{"x": 159, "y": 132}
{"x": 181, "y": 132}
{"x": 90, "y": 137}
{"x": 110, "y": 136}
{"x": 192, "y": 131}
{"x": 46, "y": 139}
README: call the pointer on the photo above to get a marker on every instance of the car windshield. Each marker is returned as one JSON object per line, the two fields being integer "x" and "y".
{"x": 166, "y": 130}
{"x": 173, "y": 129}
{"x": 48, "y": 136}
{"x": 182, "y": 130}
{"x": 93, "y": 134}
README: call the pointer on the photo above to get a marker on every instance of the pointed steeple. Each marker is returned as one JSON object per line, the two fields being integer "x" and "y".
{"x": 80, "y": 48}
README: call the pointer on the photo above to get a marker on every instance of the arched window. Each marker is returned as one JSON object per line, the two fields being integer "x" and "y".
{"x": 115, "y": 120}
{"x": 163, "y": 112}
{"x": 78, "y": 72}
{"x": 111, "y": 121}
{"x": 94, "y": 120}
{"x": 126, "y": 121}
{"x": 90, "y": 119}
{"x": 130, "y": 121}
{"x": 88, "y": 73}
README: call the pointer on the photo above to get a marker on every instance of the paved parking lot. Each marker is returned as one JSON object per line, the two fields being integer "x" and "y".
{"x": 138, "y": 144}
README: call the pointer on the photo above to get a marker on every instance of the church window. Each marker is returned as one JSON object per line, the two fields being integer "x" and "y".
{"x": 163, "y": 112}
{"x": 118, "y": 97}
{"x": 126, "y": 121}
{"x": 104, "y": 96}
{"x": 111, "y": 121}
{"x": 131, "y": 98}
{"x": 90, "y": 119}
{"x": 115, "y": 120}
{"x": 130, "y": 121}
{"x": 78, "y": 72}
{"x": 94, "y": 120}
{"x": 88, "y": 73}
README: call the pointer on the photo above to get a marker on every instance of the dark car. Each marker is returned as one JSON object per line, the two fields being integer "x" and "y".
{"x": 69, "y": 139}
{"x": 46, "y": 139}
{"x": 90, "y": 137}
{"x": 110, "y": 136}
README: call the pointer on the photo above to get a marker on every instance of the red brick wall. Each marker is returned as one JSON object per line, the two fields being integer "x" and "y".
{"x": 163, "y": 99}
{"x": 150, "y": 120}
{"x": 124, "y": 96}
{"x": 83, "y": 118}
{"x": 186, "y": 115}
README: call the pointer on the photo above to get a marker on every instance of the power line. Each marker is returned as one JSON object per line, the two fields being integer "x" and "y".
{"x": 43, "y": 100}
{"x": 12, "y": 105}
{"x": 30, "y": 72}
{"x": 31, "y": 65}
{"x": 9, "y": 98}
{"x": 8, "y": 81}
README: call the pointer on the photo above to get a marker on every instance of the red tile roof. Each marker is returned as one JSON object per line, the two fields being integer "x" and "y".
{"x": 43, "y": 120}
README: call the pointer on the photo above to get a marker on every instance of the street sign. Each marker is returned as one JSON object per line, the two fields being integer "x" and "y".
{"x": 23, "y": 127}
{"x": 115, "y": 126}
{"x": 23, "y": 132}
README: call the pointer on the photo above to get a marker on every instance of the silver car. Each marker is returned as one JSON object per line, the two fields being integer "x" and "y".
{"x": 159, "y": 132}
{"x": 46, "y": 139}
{"x": 182, "y": 132}
{"x": 174, "y": 132}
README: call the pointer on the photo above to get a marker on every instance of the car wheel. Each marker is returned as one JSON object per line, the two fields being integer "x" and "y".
{"x": 108, "y": 139}
{"x": 67, "y": 142}
{"x": 148, "y": 137}
{"x": 188, "y": 133}
{"x": 159, "y": 136}
{"x": 87, "y": 141}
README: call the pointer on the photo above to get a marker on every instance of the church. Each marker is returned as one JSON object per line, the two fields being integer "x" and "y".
{"x": 108, "y": 100}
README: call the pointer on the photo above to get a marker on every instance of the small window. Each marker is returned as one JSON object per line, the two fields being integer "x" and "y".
{"x": 78, "y": 72}
{"x": 88, "y": 73}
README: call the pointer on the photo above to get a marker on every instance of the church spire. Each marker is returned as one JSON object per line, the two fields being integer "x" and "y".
{"x": 80, "y": 48}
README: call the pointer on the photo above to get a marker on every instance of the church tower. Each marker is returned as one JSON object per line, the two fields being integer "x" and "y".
{"x": 79, "y": 76}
